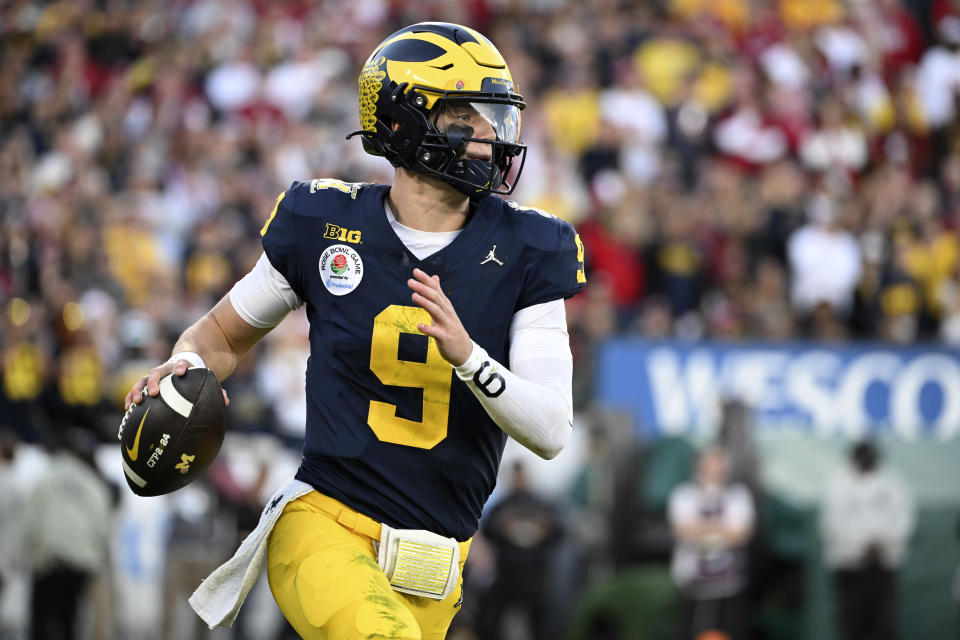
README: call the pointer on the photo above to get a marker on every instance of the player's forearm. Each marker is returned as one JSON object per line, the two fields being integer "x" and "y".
{"x": 221, "y": 338}
{"x": 207, "y": 339}
{"x": 535, "y": 415}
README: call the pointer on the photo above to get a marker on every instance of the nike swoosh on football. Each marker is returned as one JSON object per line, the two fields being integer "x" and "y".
{"x": 135, "y": 451}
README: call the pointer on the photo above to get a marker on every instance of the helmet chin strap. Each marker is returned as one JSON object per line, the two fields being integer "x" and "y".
{"x": 478, "y": 172}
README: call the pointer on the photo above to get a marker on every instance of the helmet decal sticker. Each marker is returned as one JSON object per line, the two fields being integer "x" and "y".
{"x": 371, "y": 81}
{"x": 341, "y": 269}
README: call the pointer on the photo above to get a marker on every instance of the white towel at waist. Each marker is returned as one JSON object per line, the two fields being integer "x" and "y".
{"x": 218, "y": 598}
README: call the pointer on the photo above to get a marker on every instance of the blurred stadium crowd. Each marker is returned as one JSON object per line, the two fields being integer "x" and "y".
{"x": 763, "y": 169}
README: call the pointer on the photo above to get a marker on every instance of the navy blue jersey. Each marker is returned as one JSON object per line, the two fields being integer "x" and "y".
{"x": 391, "y": 431}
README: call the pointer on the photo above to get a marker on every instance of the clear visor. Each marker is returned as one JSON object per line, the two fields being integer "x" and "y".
{"x": 489, "y": 120}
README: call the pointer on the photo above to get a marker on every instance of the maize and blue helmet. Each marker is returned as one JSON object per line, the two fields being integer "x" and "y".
{"x": 428, "y": 92}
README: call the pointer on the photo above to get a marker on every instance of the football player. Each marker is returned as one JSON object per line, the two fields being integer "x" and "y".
{"x": 437, "y": 329}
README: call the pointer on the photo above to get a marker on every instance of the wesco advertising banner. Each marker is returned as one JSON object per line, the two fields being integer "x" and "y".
{"x": 673, "y": 387}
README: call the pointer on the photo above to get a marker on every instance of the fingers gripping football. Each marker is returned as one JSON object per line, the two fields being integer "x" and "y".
{"x": 151, "y": 382}
{"x": 452, "y": 339}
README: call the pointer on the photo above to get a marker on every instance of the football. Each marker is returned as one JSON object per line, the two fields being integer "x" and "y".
{"x": 167, "y": 441}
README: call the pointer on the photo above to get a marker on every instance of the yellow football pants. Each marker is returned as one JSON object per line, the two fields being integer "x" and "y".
{"x": 324, "y": 575}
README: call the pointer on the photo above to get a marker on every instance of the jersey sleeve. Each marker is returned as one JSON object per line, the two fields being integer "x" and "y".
{"x": 554, "y": 264}
{"x": 263, "y": 297}
{"x": 279, "y": 238}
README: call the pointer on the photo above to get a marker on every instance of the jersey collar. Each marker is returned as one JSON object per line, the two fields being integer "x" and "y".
{"x": 386, "y": 240}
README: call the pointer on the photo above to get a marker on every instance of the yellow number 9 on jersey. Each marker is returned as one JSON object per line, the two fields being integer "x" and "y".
{"x": 433, "y": 376}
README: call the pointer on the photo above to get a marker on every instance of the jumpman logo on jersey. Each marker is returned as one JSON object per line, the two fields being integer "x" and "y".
{"x": 492, "y": 256}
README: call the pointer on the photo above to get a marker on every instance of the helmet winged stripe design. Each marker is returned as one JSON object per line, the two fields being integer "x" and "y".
{"x": 421, "y": 90}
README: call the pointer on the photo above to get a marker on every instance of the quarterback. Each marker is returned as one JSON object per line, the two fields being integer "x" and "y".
{"x": 437, "y": 330}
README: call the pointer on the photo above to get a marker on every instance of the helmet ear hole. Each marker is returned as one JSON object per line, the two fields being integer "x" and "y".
{"x": 406, "y": 137}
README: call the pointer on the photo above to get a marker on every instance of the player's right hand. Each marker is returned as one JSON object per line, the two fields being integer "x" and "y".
{"x": 452, "y": 339}
{"x": 152, "y": 382}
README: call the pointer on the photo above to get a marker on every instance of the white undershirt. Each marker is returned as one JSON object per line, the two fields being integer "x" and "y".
{"x": 535, "y": 407}
{"x": 420, "y": 243}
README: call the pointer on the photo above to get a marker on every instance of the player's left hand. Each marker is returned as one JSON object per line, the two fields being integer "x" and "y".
{"x": 452, "y": 339}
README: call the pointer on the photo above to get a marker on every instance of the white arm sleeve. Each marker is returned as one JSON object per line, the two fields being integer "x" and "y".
{"x": 531, "y": 401}
{"x": 263, "y": 297}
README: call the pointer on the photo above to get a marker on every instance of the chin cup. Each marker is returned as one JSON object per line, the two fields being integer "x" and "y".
{"x": 482, "y": 176}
